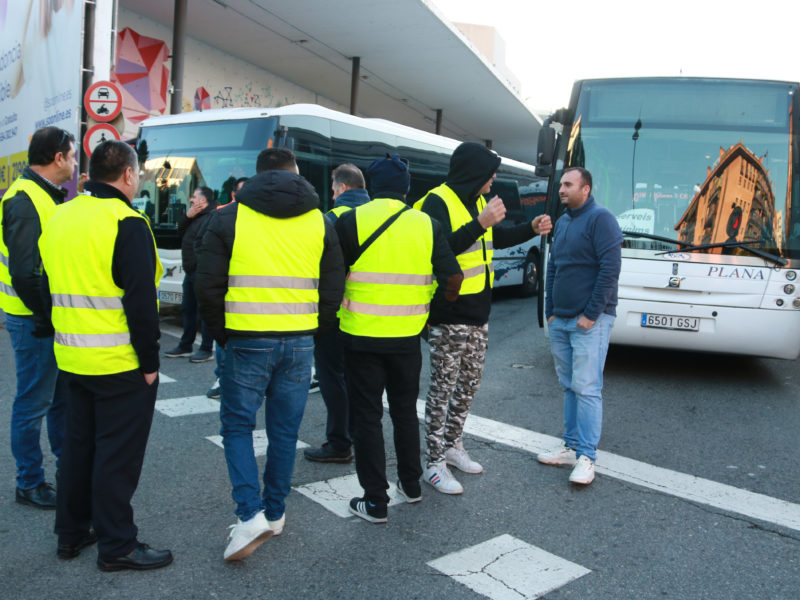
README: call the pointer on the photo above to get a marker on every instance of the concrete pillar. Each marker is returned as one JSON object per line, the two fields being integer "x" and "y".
{"x": 354, "y": 80}
{"x": 178, "y": 52}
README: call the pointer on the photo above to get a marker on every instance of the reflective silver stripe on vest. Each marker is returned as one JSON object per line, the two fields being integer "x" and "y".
{"x": 478, "y": 246}
{"x": 93, "y": 340}
{"x": 4, "y": 259}
{"x": 476, "y": 271}
{"x": 8, "y": 290}
{"x": 273, "y": 281}
{"x": 271, "y": 308}
{"x": 81, "y": 301}
{"x": 382, "y": 310}
{"x": 389, "y": 278}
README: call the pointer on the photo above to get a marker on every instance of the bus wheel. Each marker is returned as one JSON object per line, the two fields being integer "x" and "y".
{"x": 530, "y": 275}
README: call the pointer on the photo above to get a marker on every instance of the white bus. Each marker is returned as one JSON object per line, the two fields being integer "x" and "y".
{"x": 703, "y": 176}
{"x": 214, "y": 148}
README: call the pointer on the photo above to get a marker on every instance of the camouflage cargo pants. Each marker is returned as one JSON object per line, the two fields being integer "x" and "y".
{"x": 457, "y": 356}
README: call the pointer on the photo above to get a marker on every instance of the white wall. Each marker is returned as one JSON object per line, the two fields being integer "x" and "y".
{"x": 229, "y": 81}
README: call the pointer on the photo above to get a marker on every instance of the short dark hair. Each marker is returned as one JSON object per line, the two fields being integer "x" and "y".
{"x": 46, "y": 143}
{"x": 207, "y": 192}
{"x": 110, "y": 159}
{"x": 274, "y": 159}
{"x": 350, "y": 175}
{"x": 586, "y": 176}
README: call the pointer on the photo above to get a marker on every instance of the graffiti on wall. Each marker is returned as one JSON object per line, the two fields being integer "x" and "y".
{"x": 141, "y": 73}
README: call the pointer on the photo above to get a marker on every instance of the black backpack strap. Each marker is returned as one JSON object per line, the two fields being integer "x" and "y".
{"x": 376, "y": 234}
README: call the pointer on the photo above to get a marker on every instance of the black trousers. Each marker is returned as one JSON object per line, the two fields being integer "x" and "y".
{"x": 367, "y": 375}
{"x": 329, "y": 364}
{"x": 108, "y": 423}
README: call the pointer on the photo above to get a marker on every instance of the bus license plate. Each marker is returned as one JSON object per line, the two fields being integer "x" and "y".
{"x": 170, "y": 297}
{"x": 671, "y": 322}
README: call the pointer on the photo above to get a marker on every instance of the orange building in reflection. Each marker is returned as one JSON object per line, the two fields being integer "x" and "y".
{"x": 735, "y": 203}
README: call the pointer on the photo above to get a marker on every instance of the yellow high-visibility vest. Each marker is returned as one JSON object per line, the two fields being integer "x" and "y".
{"x": 273, "y": 278}
{"x": 92, "y": 335}
{"x": 389, "y": 288}
{"x": 44, "y": 204}
{"x": 478, "y": 257}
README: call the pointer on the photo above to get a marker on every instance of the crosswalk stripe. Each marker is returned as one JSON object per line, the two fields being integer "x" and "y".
{"x": 165, "y": 378}
{"x": 190, "y": 405}
{"x": 335, "y": 494}
{"x": 506, "y": 568}
{"x": 259, "y": 442}
{"x": 673, "y": 483}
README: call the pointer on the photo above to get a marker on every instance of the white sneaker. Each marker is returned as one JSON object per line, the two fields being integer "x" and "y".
{"x": 441, "y": 479}
{"x": 459, "y": 458}
{"x": 583, "y": 473}
{"x": 277, "y": 526}
{"x": 562, "y": 456}
{"x": 246, "y": 536}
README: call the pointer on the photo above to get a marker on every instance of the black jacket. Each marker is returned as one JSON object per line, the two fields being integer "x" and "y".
{"x": 471, "y": 166}
{"x": 279, "y": 194}
{"x": 133, "y": 268}
{"x": 21, "y": 231}
{"x": 190, "y": 230}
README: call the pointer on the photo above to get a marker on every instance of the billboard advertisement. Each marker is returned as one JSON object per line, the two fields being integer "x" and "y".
{"x": 40, "y": 75}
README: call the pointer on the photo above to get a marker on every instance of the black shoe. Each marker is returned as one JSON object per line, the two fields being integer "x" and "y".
{"x": 214, "y": 393}
{"x": 201, "y": 356}
{"x": 67, "y": 551}
{"x": 42, "y": 496}
{"x": 141, "y": 558}
{"x": 374, "y": 513}
{"x": 178, "y": 352}
{"x": 327, "y": 454}
{"x": 313, "y": 385}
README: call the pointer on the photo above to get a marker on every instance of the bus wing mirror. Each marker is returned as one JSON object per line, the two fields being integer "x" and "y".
{"x": 546, "y": 147}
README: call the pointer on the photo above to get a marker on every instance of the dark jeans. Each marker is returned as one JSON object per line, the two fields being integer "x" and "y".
{"x": 367, "y": 375}
{"x": 191, "y": 318}
{"x": 329, "y": 364}
{"x": 108, "y": 423}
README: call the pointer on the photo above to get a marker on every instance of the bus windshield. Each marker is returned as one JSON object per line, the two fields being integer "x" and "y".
{"x": 699, "y": 162}
{"x": 177, "y": 158}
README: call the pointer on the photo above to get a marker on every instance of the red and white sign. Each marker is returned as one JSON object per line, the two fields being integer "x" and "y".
{"x": 96, "y": 135}
{"x": 103, "y": 101}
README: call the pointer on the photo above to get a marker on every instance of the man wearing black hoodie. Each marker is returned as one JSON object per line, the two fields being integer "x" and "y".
{"x": 269, "y": 274}
{"x": 459, "y": 330}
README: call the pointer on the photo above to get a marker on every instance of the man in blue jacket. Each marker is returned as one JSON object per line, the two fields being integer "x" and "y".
{"x": 580, "y": 306}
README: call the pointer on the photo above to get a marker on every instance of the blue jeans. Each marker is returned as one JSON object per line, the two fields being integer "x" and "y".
{"x": 329, "y": 361}
{"x": 191, "y": 318}
{"x": 41, "y": 392}
{"x": 579, "y": 356}
{"x": 279, "y": 368}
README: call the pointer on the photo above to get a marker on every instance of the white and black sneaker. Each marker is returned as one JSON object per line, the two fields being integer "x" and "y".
{"x": 412, "y": 496}
{"x": 369, "y": 511}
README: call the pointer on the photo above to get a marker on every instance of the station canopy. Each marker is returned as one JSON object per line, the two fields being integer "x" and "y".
{"x": 412, "y": 61}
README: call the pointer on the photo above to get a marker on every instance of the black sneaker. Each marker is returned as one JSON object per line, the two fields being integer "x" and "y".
{"x": 313, "y": 386}
{"x": 201, "y": 356}
{"x": 327, "y": 454}
{"x": 412, "y": 495}
{"x": 214, "y": 392}
{"x": 374, "y": 513}
{"x": 178, "y": 352}
{"x": 42, "y": 496}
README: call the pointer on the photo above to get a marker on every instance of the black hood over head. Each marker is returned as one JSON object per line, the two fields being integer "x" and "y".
{"x": 280, "y": 194}
{"x": 471, "y": 166}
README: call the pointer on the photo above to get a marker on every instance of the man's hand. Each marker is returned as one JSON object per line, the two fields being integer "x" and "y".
{"x": 150, "y": 377}
{"x": 585, "y": 323}
{"x": 550, "y": 320}
{"x": 542, "y": 225}
{"x": 193, "y": 210}
{"x": 494, "y": 212}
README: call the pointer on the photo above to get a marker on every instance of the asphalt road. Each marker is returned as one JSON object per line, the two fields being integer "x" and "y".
{"x": 724, "y": 419}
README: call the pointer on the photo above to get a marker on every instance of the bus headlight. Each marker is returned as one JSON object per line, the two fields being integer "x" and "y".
{"x": 791, "y": 275}
{"x": 788, "y": 288}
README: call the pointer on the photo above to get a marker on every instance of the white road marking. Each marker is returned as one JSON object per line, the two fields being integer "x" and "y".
{"x": 164, "y": 378}
{"x": 505, "y": 568}
{"x": 335, "y": 494}
{"x": 259, "y": 442}
{"x": 673, "y": 483}
{"x": 190, "y": 405}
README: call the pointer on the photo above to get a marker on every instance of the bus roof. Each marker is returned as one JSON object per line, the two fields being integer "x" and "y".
{"x": 314, "y": 110}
